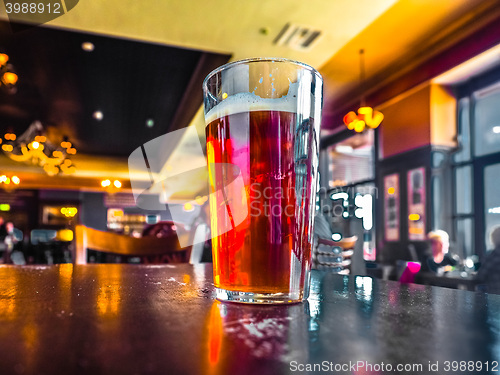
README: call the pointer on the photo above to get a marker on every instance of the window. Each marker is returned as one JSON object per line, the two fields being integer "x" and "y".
{"x": 351, "y": 188}
{"x": 487, "y": 120}
{"x": 476, "y": 165}
{"x": 352, "y": 160}
{"x": 491, "y": 200}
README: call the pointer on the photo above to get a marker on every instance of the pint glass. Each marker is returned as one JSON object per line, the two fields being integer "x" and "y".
{"x": 262, "y": 126}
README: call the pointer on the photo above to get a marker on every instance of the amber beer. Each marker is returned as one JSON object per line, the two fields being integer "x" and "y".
{"x": 264, "y": 256}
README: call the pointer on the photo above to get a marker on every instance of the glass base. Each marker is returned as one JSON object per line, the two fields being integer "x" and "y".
{"x": 258, "y": 298}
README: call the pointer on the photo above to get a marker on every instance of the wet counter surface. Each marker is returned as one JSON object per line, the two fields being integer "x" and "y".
{"x": 129, "y": 319}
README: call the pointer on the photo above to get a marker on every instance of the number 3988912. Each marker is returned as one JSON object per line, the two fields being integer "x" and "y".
{"x": 33, "y": 8}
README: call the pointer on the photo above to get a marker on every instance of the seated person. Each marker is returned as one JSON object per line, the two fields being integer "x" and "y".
{"x": 3, "y": 233}
{"x": 441, "y": 259}
{"x": 9, "y": 240}
{"x": 489, "y": 272}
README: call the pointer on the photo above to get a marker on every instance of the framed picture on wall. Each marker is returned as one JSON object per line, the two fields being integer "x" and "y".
{"x": 416, "y": 204}
{"x": 391, "y": 207}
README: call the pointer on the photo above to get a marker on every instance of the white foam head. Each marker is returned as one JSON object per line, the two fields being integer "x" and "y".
{"x": 248, "y": 101}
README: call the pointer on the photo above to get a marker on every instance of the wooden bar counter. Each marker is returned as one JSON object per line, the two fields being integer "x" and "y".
{"x": 163, "y": 319}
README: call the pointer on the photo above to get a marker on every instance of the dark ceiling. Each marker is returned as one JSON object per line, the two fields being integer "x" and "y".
{"x": 129, "y": 82}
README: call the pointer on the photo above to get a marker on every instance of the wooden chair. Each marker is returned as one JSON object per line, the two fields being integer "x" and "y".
{"x": 113, "y": 243}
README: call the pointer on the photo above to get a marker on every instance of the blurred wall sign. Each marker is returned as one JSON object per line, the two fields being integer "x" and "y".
{"x": 391, "y": 207}
{"x": 416, "y": 204}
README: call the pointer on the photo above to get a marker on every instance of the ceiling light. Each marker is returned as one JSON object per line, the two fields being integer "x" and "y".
{"x": 69, "y": 211}
{"x": 366, "y": 116}
{"x": 414, "y": 217}
{"x": 98, "y": 115}
{"x": 8, "y": 78}
{"x": 7, "y": 183}
{"x": 35, "y": 148}
{"x": 87, "y": 46}
{"x": 496, "y": 129}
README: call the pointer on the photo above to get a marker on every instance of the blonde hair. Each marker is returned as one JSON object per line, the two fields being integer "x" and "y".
{"x": 442, "y": 236}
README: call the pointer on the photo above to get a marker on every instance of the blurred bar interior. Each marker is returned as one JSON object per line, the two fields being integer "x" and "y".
{"x": 87, "y": 89}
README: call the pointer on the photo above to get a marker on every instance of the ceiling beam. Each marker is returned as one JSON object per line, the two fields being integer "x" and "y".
{"x": 192, "y": 98}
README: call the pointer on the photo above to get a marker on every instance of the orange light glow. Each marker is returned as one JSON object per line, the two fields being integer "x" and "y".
{"x": 3, "y": 59}
{"x": 116, "y": 212}
{"x": 105, "y": 183}
{"x": 69, "y": 211}
{"x": 10, "y": 136}
{"x": 10, "y": 78}
{"x": 16, "y": 180}
{"x": 350, "y": 117}
{"x": 108, "y": 301}
{"x": 51, "y": 170}
{"x": 416, "y": 230}
{"x": 414, "y": 217}
{"x": 214, "y": 334}
{"x": 65, "y": 235}
{"x": 117, "y": 184}
{"x": 366, "y": 117}
{"x": 359, "y": 126}
{"x": 391, "y": 191}
{"x": 376, "y": 120}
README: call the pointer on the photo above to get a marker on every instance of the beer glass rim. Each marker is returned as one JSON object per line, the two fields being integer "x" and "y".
{"x": 259, "y": 59}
